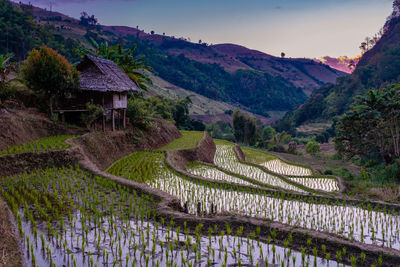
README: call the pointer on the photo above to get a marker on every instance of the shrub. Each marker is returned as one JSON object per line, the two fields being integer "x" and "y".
{"x": 49, "y": 74}
{"x": 313, "y": 148}
{"x": 6, "y": 92}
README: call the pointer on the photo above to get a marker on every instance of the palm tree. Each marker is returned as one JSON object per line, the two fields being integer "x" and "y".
{"x": 133, "y": 66}
{"x": 363, "y": 47}
{"x": 367, "y": 41}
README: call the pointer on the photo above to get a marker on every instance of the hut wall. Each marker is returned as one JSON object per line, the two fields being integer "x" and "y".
{"x": 120, "y": 101}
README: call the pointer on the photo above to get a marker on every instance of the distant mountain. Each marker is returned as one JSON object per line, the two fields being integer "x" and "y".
{"x": 377, "y": 68}
{"x": 343, "y": 64}
{"x": 230, "y": 73}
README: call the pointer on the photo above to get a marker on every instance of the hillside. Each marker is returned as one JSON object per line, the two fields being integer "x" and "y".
{"x": 228, "y": 73}
{"x": 344, "y": 64}
{"x": 378, "y": 67}
{"x": 202, "y": 108}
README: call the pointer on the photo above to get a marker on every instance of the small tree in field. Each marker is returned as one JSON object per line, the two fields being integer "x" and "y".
{"x": 313, "y": 148}
{"x": 50, "y": 75}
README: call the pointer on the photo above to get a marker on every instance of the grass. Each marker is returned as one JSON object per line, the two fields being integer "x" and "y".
{"x": 188, "y": 140}
{"x": 257, "y": 157}
{"x": 41, "y": 145}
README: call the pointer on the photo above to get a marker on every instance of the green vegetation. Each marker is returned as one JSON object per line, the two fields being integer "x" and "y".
{"x": 204, "y": 198}
{"x": 313, "y": 148}
{"x": 213, "y": 173}
{"x": 143, "y": 109}
{"x": 45, "y": 144}
{"x": 371, "y": 128}
{"x": 226, "y": 159}
{"x": 6, "y": 91}
{"x": 221, "y": 130}
{"x": 245, "y": 128}
{"x": 188, "y": 140}
{"x": 256, "y": 156}
{"x": 21, "y": 33}
{"x": 378, "y": 67}
{"x": 50, "y": 75}
{"x": 297, "y": 173}
{"x": 369, "y": 133}
{"x": 124, "y": 58}
{"x": 260, "y": 92}
{"x": 93, "y": 113}
{"x": 138, "y": 167}
{"x": 67, "y": 216}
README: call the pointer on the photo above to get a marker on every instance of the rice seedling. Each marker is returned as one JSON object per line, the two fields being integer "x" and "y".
{"x": 356, "y": 222}
{"x": 298, "y": 174}
{"x": 278, "y": 166}
{"x": 96, "y": 222}
{"x": 215, "y": 174}
{"x": 225, "y": 158}
{"x": 42, "y": 145}
{"x": 326, "y": 184}
{"x": 188, "y": 140}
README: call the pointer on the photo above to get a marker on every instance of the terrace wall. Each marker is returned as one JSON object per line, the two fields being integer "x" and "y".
{"x": 103, "y": 149}
{"x": 25, "y": 162}
{"x": 23, "y": 126}
{"x": 203, "y": 152}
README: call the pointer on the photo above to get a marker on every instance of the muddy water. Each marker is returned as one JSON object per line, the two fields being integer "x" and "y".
{"x": 355, "y": 223}
{"x": 225, "y": 158}
{"x": 144, "y": 243}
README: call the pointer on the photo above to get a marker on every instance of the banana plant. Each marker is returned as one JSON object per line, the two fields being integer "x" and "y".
{"x": 5, "y": 66}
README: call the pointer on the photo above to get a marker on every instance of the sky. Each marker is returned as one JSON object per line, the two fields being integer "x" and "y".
{"x": 300, "y": 28}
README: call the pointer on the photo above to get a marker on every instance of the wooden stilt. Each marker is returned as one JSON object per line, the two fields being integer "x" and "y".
{"x": 124, "y": 122}
{"x": 113, "y": 120}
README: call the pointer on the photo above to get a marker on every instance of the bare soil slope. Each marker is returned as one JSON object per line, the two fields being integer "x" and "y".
{"x": 22, "y": 126}
{"x": 11, "y": 254}
{"x": 103, "y": 149}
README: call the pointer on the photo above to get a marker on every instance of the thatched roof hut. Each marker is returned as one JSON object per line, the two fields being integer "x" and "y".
{"x": 104, "y": 75}
{"x": 102, "y": 83}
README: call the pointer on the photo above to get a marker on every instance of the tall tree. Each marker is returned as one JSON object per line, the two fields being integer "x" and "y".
{"x": 50, "y": 75}
{"x": 245, "y": 128}
{"x": 371, "y": 127}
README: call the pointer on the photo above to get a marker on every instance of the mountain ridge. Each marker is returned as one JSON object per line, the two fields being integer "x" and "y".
{"x": 378, "y": 67}
{"x": 225, "y": 72}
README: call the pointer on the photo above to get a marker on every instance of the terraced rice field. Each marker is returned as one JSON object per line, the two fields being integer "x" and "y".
{"x": 281, "y": 167}
{"x": 215, "y": 174}
{"x": 42, "y": 145}
{"x": 225, "y": 158}
{"x": 361, "y": 223}
{"x": 318, "y": 183}
{"x": 68, "y": 217}
{"x": 188, "y": 140}
{"x": 298, "y": 174}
